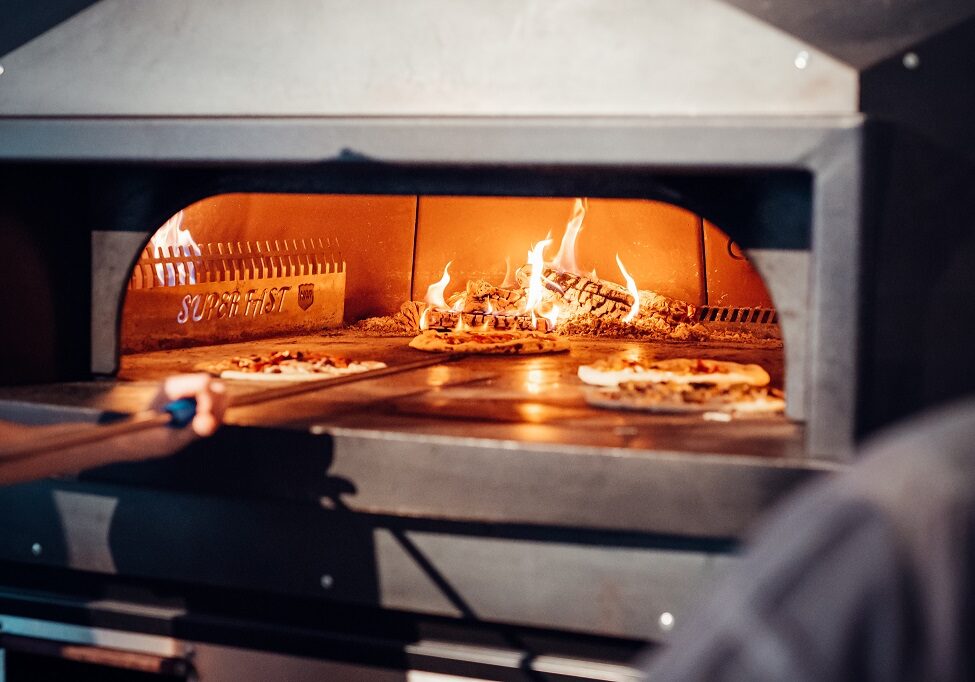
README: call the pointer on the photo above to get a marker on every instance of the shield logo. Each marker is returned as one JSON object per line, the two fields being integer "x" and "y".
{"x": 306, "y": 295}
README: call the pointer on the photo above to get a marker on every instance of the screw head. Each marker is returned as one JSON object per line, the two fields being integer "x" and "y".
{"x": 1, "y": 69}
{"x": 911, "y": 61}
{"x": 666, "y": 621}
{"x": 802, "y": 60}
{"x": 36, "y": 549}
{"x": 326, "y": 581}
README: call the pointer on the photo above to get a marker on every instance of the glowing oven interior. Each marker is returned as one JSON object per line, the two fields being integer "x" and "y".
{"x": 361, "y": 275}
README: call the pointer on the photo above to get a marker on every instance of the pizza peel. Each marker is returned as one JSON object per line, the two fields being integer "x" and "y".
{"x": 179, "y": 413}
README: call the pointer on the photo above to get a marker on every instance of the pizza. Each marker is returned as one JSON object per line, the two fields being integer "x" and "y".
{"x": 618, "y": 370}
{"x": 513, "y": 342}
{"x": 687, "y": 397}
{"x": 289, "y": 365}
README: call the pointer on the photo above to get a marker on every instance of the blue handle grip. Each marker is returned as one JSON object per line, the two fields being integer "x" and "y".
{"x": 182, "y": 412}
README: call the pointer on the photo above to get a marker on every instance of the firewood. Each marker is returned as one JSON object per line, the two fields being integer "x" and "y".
{"x": 481, "y": 296}
{"x": 587, "y": 296}
{"x": 412, "y": 313}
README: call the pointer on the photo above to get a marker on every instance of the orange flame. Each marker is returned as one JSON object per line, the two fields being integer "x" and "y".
{"x": 536, "y": 260}
{"x": 631, "y": 287}
{"x": 565, "y": 259}
{"x": 553, "y": 316}
{"x": 435, "y": 291}
{"x": 180, "y": 242}
{"x": 459, "y": 304}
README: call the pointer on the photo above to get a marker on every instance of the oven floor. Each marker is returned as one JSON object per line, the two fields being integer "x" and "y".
{"x": 528, "y": 399}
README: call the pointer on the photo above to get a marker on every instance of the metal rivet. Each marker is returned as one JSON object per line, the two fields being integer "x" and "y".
{"x": 911, "y": 60}
{"x": 1, "y": 69}
{"x": 326, "y": 581}
{"x": 802, "y": 60}
{"x": 666, "y": 621}
{"x": 36, "y": 549}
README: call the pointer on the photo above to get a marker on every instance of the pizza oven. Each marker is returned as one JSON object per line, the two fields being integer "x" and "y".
{"x": 728, "y": 181}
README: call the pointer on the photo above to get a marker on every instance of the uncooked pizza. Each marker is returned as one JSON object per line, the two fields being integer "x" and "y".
{"x": 687, "y": 397}
{"x": 617, "y": 370}
{"x": 511, "y": 342}
{"x": 290, "y": 365}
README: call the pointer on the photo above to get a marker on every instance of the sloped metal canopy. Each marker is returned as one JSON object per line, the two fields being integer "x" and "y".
{"x": 428, "y": 57}
{"x": 862, "y": 34}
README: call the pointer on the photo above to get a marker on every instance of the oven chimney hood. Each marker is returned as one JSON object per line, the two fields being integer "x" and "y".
{"x": 429, "y": 57}
{"x": 901, "y": 60}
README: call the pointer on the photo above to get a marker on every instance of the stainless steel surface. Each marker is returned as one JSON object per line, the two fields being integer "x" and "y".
{"x": 834, "y": 316}
{"x": 519, "y": 445}
{"x": 820, "y": 146}
{"x": 384, "y": 58}
{"x": 711, "y": 142}
{"x": 861, "y": 33}
{"x": 787, "y": 276}
{"x": 112, "y": 256}
{"x": 484, "y": 572}
{"x": 611, "y": 588}
{"x": 89, "y": 636}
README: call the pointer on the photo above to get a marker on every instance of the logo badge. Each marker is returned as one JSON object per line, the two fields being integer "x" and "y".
{"x": 306, "y": 296}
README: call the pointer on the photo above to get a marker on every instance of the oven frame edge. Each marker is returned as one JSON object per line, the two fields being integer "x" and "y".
{"x": 823, "y": 373}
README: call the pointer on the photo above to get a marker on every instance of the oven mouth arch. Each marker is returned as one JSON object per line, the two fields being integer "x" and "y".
{"x": 615, "y": 183}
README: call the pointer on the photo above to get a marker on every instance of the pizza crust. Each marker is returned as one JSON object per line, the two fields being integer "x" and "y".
{"x": 276, "y": 377}
{"x": 616, "y": 371}
{"x": 289, "y": 365}
{"x": 491, "y": 342}
{"x": 685, "y": 398}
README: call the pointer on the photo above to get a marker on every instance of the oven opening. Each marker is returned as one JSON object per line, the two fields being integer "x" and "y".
{"x": 621, "y": 282}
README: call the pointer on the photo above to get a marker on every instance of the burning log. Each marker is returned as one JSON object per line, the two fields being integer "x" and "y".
{"x": 417, "y": 315}
{"x": 584, "y": 295}
{"x": 480, "y": 296}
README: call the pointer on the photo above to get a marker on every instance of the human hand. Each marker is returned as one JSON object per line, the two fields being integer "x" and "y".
{"x": 210, "y": 395}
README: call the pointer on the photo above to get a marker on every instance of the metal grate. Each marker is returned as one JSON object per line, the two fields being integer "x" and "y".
{"x": 227, "y": 262}
{"x": 708, "y": 313}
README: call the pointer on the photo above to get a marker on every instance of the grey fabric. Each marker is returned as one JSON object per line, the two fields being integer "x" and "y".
{"x": 864, "y": 576}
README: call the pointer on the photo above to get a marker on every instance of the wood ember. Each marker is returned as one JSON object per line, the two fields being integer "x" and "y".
{"x": 591, "y": 307}
{"x": 481, "y": 296}
{"x": 407, "y": 321}
{"x": 607, "y": 300}
{"x": 413, "y": 311}
{"x": 648, "y": 327}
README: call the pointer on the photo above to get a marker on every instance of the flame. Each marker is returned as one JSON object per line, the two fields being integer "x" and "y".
{"x": 553, "y": 316}
{"x": 631, "y": 287}
{"x": 424, "y": 323}
{"x": 180, "y": 242}
{"x": 461, "y": 326}
{"x": 460, "y": 303}
{"x": 536, "y": 260}
{"x": 435, "y": 291}
{"x": 594, "y": 276}
{"x": 565, "y": 259}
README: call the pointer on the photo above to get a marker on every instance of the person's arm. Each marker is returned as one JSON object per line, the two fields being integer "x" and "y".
{"x": 211, "y": 402}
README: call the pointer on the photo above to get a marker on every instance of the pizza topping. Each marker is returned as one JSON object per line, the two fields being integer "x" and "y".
{"x": 616, "y": 370}
{"x": 510, "y": 342}
{"x": 290, "y": 364}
